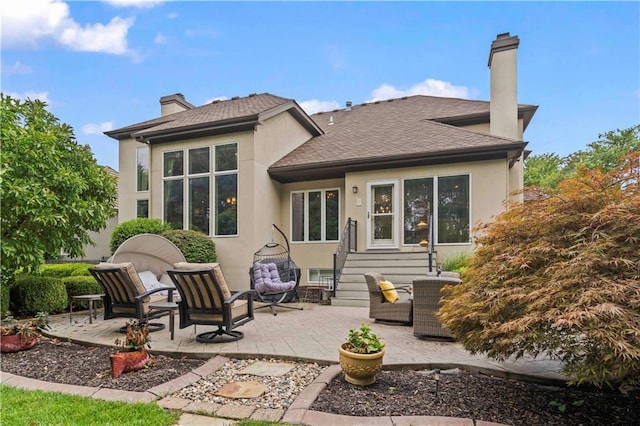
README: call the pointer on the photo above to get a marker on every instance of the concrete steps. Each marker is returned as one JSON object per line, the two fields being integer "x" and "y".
{"x": 401, "y": 268}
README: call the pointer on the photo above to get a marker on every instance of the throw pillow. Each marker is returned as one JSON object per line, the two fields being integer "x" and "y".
{"x": 150, "y": 282}
{"x": 389, "y": 291}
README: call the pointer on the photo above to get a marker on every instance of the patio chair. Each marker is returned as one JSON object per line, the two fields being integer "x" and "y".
{"x": 205, "y": 299}
{"x": 125, "y": 296}
{"x": 426, "y": 302}
{"x": 381, "y": 310}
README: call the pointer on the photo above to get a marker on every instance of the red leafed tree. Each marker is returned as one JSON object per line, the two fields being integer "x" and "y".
{"x": 560, "y": 275}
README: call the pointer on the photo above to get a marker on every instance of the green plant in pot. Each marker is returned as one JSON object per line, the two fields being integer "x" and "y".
{"x": 361, "y": 356}
{"x": 134, "y": 355}
{"x": 21, "y": 335}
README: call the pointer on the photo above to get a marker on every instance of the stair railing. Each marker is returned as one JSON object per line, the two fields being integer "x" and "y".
{"x": 348, "y": 243}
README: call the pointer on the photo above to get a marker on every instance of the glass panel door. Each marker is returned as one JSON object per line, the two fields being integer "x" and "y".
{"x": 382, "y": 223}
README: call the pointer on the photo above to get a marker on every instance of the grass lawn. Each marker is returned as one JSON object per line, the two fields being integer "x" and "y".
{"x": 36, "y": 408}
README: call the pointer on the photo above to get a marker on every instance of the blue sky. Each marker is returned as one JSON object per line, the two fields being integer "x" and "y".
{"x": 101, "y": 65}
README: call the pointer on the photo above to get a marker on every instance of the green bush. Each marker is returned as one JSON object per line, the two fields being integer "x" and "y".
{"x": 61, "y": 270}
{"x": 4, "y": 297}
{"x": 80, "y": 285}
{"x": 457, "y": 263}
{"x": 33, "y": 293}
{"x": 128, "y": 229}
{"x": 196, "y": 246}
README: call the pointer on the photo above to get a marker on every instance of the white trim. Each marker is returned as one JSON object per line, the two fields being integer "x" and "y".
{"x": 395, "y": 227}
{"x": 323, "y": 213}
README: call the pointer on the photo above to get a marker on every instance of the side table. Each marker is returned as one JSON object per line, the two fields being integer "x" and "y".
{"x": 91, "y": 299}
{"x": 171, "y": 307}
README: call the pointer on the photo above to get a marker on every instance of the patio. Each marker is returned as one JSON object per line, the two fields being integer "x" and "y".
{"x": 312, "y": 334}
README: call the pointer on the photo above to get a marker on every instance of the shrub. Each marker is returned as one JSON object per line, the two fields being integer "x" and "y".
{"x": 33, "y": 293}
{"x": 458, "y": 263}
{"x": 196, "y": 246}
{"x": 4, "y": 297}
{"x": 559, "y": 275}
{"x": 128, "y": 229}
{"x": 61, "y": 270}
{"x": 79, "y": 285}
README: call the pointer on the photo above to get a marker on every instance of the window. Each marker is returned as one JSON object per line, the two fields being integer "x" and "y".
{"x": 142, "y": 161}
{"x": 315, "y": 215}
{"x": 319, "y": 276}
{"x": 450, "y": 211}
{"x": 187, "y": 186}
{"x": 142, "y": 208}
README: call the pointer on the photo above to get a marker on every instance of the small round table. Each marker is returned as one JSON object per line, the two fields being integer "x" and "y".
{"x": 91, "y": 299}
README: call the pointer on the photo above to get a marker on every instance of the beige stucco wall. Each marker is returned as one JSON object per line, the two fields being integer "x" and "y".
{"x": 258, "y": 195}
{"x": 489, "y": 182}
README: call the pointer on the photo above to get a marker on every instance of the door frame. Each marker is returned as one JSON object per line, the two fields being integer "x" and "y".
{"x": 395, "y": 227}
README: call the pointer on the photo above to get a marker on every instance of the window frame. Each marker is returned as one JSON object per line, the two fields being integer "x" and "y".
{"x": 323, "y": 214}
{"x": 140, "y": 149}
{"x": 435, "y": 207}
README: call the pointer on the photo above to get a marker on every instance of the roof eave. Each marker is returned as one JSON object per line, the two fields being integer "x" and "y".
{"x": 338, "y": 169}
{"x": 198, "y": 130}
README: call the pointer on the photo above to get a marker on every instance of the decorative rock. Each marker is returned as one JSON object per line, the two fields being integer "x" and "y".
{"x": 250, "y": 389}
{"x": 266, "y": 369}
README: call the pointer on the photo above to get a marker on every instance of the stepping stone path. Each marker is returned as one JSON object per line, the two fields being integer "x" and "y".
{"x": 250, "y": 388}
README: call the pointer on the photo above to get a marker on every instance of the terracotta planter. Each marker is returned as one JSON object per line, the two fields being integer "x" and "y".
{"x": 15, "y": 343}
{"x": 124, "y": 362}
{"x": 360, "y": 369}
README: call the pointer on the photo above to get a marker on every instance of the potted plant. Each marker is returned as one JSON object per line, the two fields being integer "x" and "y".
{"x": 22, "y": 335}
{"x": 361, "y": 356}
{"x": 134, "y": 355}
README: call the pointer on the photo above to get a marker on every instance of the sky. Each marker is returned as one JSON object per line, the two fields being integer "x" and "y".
{"x": 102, "y": 65}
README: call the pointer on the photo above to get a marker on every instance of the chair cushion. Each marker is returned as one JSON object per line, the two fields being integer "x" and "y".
{"x": 131, "y": 272}
{"x": 217, "y": 272}
{"x": 266, "y": 279}
{"x": 389, "y": 291}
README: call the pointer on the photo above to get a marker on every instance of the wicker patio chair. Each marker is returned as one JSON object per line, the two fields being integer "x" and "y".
{"x": 426, "y": 301}
{"x": 399, "y": 313}
{"x": 205, "y": 299}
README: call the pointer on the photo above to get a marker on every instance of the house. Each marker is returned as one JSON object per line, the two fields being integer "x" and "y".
{"x": 232, "y": 168}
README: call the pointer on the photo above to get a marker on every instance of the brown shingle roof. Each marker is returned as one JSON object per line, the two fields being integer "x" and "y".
{"x": 238, "y": 109}
{"x": 410, "y": 128}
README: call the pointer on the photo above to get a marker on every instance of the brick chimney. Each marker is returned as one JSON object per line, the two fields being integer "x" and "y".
{"x": 173, "y": 103}
{"x": 504, "y": 86}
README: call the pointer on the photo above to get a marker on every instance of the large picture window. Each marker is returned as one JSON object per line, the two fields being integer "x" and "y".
{"x": 189, "y": 195}
{"x": 450, "y": 211}
{"x": 315, "y": 215}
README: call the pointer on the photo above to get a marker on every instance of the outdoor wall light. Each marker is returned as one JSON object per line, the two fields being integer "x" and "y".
{"x": 355, "y": 189}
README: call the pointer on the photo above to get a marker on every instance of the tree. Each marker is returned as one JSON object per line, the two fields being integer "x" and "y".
{"x": 547, "y": 170}
{"x": 560, "y": 275}
{"x": 53, "y": 191}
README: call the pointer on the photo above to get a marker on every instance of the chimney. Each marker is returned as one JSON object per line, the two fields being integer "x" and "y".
{"x": 504, "y": 87}
{"x": 173, "y": 103}
{"x": 349, "y": 105}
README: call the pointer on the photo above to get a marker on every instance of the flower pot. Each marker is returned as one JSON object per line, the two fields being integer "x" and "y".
{"x": 360, "y": 369}
{"x": 124, "y": 362}
{"x": 15, "y": 343}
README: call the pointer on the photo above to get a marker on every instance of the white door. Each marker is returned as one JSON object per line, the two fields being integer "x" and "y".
{"x": 382, "y": 214}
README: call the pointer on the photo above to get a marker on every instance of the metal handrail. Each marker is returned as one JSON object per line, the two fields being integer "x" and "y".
{"x": 348, "y": 243}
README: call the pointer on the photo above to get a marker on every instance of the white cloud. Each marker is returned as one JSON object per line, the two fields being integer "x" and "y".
{"x": 219, "y": 98}
{"x": 33, "y": 22}
{"x": 133, "y": 3}
{"x": 314, "y": 105}
{"x": 17, "y": 68}
{"x": 430, "y": 86}
{"x": 160, "y": 39}
{"x": 97, "y": 129}
{"x": 43, "y": 96}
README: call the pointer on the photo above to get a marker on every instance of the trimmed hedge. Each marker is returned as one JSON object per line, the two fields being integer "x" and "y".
{"x": 81, "y": 285}
{"x": 130, "y": 228}
{"x": 60, "y": 270}
{"x": 196, "y": 246}
{"x": 33, "y": 293}
{"x": 4, "y": 298}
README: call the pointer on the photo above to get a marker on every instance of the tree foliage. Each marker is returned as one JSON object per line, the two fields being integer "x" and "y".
{"x": 53, "y": 191}
{"x": 560, "y": 275}
{"x": 548, "y": 170}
